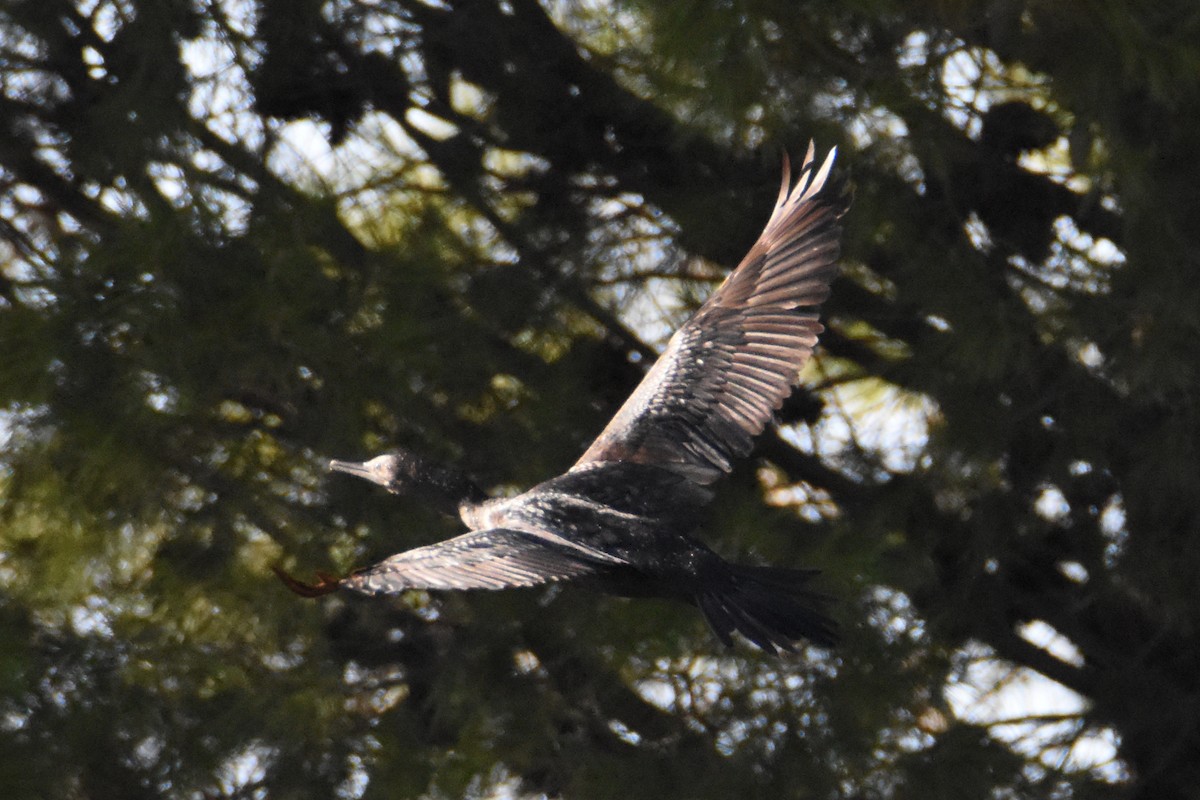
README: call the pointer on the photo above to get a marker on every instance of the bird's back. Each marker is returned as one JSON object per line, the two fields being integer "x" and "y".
{"x": 636, "y": 515}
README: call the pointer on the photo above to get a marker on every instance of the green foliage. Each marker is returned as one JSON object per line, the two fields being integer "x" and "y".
{"x": 239, "y": 239}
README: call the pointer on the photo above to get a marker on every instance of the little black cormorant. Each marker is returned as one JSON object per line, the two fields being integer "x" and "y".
{"x": 621, "y": 519}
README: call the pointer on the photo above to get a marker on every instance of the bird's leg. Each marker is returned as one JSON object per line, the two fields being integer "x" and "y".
{"x": 325, "y": 584}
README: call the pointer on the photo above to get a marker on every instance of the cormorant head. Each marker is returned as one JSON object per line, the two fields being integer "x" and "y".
{"x": 397, "y": 471}
{"x": 402, "y": 472}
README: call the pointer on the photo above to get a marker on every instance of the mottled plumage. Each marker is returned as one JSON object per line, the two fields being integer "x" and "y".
{"x": 622, "y": 518}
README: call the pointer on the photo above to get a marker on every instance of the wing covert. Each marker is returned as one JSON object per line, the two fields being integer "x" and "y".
{"x": 730, "y": 367}
{"x": 497, "y": 558}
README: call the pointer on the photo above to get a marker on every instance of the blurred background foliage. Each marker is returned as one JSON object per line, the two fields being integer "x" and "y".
{"x": 238, "y": 238}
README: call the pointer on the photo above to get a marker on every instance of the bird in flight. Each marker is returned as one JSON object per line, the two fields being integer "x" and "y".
{"x": 622, "y": 518}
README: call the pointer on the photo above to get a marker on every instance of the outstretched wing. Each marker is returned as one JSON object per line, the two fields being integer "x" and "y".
{"x": 729, "y": 368}
{"x": 497, "y": 558}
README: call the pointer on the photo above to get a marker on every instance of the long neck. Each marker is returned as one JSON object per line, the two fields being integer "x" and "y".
{"x": 447, "y": 489}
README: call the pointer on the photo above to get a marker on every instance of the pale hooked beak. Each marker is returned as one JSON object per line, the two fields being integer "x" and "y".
{"x": 370, "y": 470}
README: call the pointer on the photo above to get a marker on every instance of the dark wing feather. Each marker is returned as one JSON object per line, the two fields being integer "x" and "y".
{"x": 497, "y": 558}
{"x": 729, "y": 368}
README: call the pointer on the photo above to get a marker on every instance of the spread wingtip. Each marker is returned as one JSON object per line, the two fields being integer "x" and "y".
{"x": 325, "y": 584}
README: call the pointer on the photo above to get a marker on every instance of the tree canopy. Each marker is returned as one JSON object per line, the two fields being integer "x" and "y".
{"x": 240, "y": 238}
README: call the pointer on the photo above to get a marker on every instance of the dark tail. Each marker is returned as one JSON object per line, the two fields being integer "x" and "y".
{"x": 770, "y": 606}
